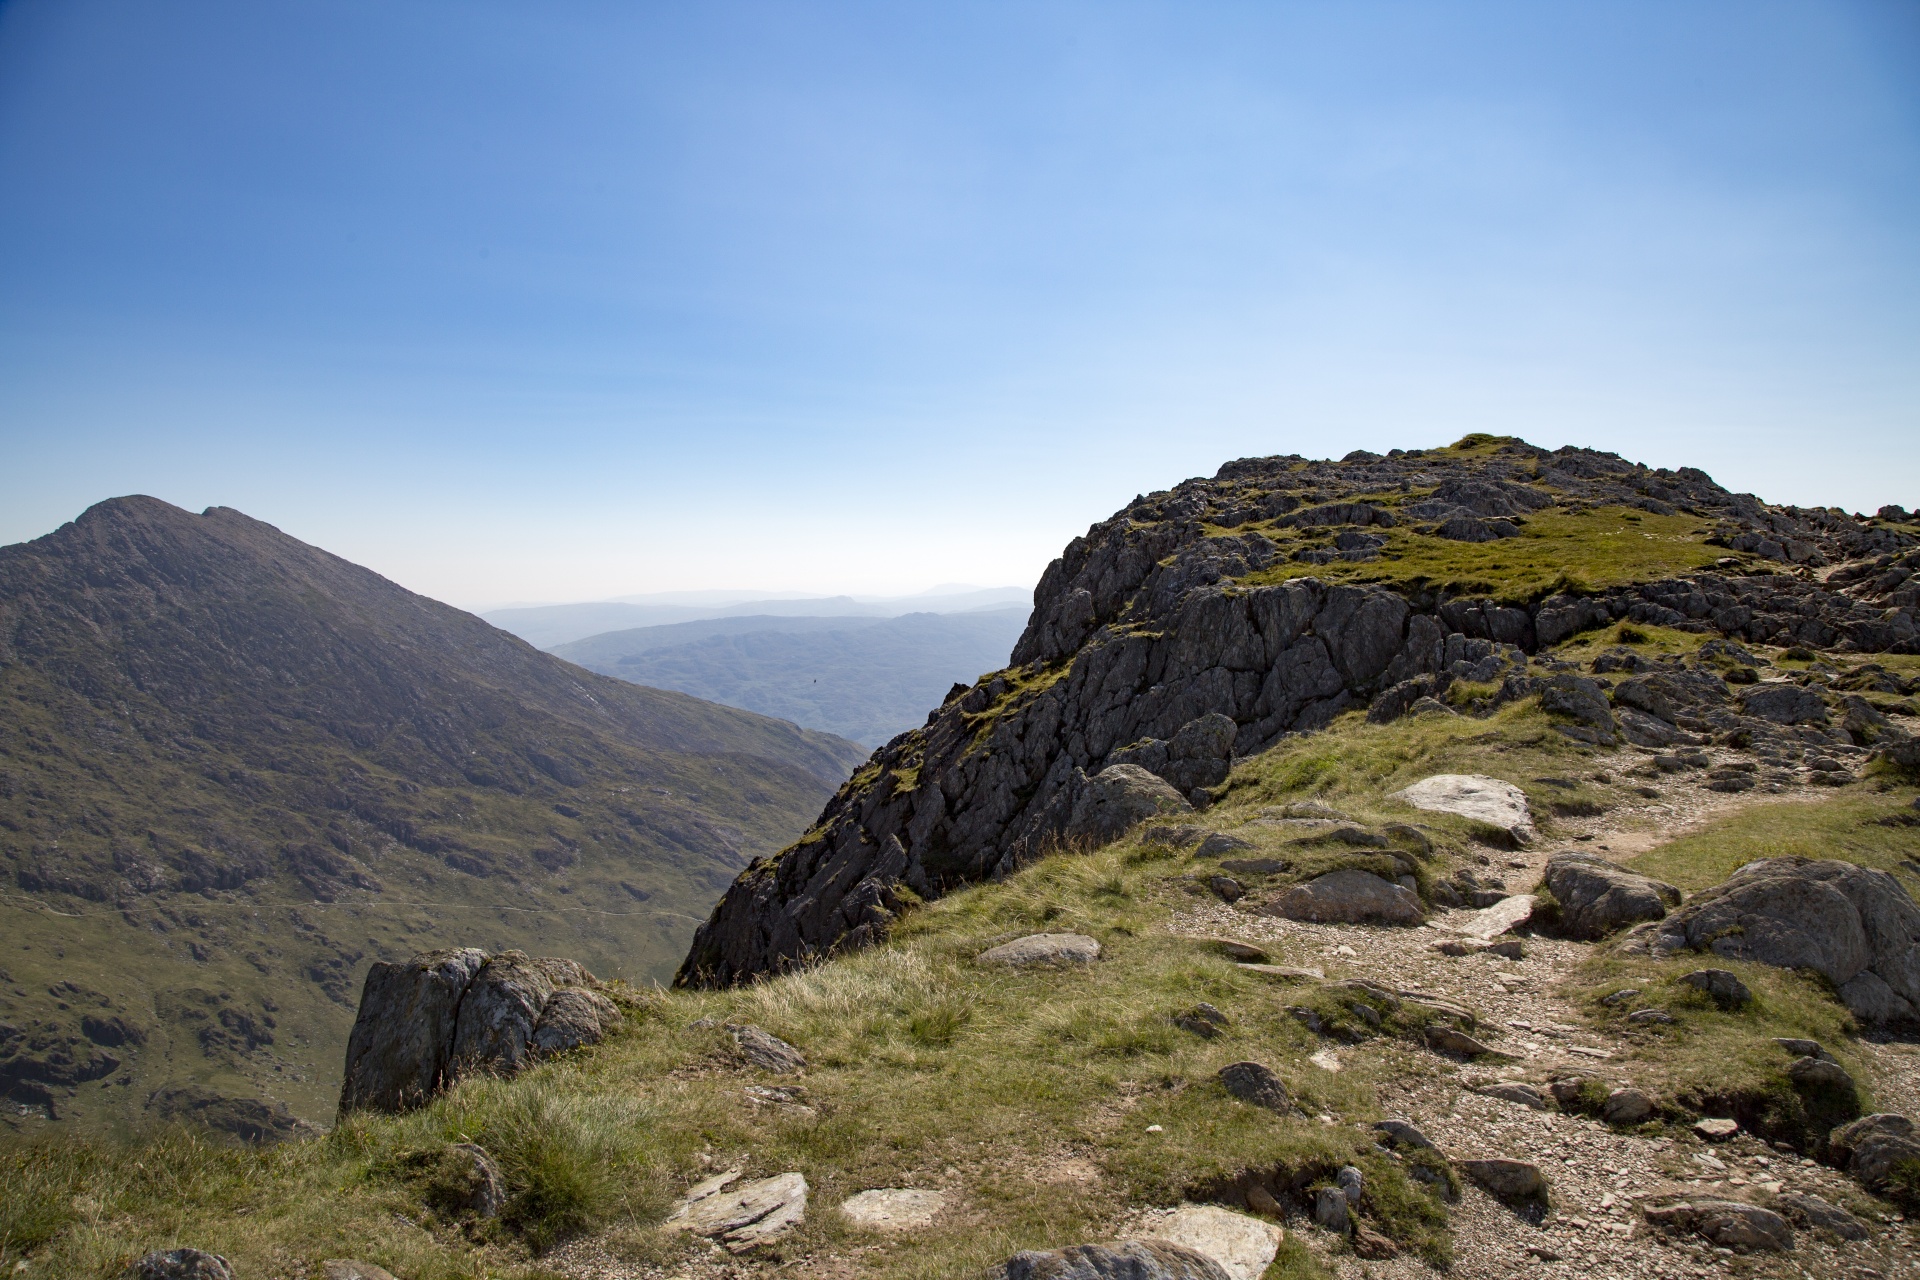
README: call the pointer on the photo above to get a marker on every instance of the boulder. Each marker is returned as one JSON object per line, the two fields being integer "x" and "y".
{"x": 1715, "y": 1129}
{"x": 1043, "y": 949}
{"x": 894, "y": 1208}
{"x": 765, "y": 1050}
{"x": 1331, "y": 1208}
{"x": 424, "y": 1022}
{"x": 1722, "y": 987}
{"x": 1783, "y": 704}
{"x": 397, "y": 1051}
{"x": 1855, "y": 926}
{"x": 743, "y": 1215}
{"x": 181, "y": 1264}
{"x": 1597, "y": 897}
{"x": 1121, "y": 1260}
{"x": 1243, "y": 1246}
{"x": 1731, "y": 1224}
{"x": 1106, "y": 806}
{"x": 1472, "y": 795}
{"x": 1403, "y": 1133}
{"x": 1871, "y": 1147}
{"x": 1807, "y": 1210}
{"x": 1347, "y": 897}
{"x": 1254, "y": 1083}
{"x": 1204, "y": 1020}
{"x": 1449, "y": 1040}
{"x": 1509, "y": 1180}
{"x": 1626, "y": 1107}
{"x": 1812, "y": 1073}
{"x": 1220, "y": 843}
{"x": 1582, "y": 700}
{"x": 1489, "y": 923}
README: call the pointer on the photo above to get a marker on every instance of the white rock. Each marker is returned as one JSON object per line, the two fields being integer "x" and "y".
{"x": 1044, "y": 948}
{"x": 1490, "y": 922}
{"x": 1242, "y": 1245}
{"x": 1473, "y": 795}
{"x": 894, "y": 1208}
{"x": 743, "y": 1216}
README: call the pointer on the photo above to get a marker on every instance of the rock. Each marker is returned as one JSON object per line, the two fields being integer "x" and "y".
{"x": 1234, "y": 949}
{"x": 1330, "y": 1208}
{"x": 1805, "y": 1210}
{"x": 1513, "y": 1091}
{"x": 1407, "y": 836}
{"x": 181, "y": 1264}
{"x": 1471, "y": 795}
{"x": 1651, "y": 1017}
{"x": 1581, "y": 699}
{"x": 502, "y": 1005}
{"x": 1714, "y": 1129}
{"x": 1730, "y": 1224}
{"x": 1783, "y": 704}
{"x": 1043, "y": 948}
{"x": 1819, "y": 1073}
{"x": 1255, "y": 1084}
{"x": 1597, "y": 897}
{"x": 1626, "y": 1107}
{"x": 743, "y": 1215}
{"x": 1219, "y": 844}
{"x": 1447, "y": 1040}
{"x": 1121, "y": 1260}
{"x": 1626, "y": 995}
{"x": 1370, "y": 1244}
{"x": 1490, "y": 922}
{"x": 1871, "y": 1147}
{"x": 351, "y": 1269}
{"x": 1351, "y": 1182}
{"x": 573, "y": 1017}
{"x": 260, "y": 1121}
{"x": 1226, "y": 888}
{"x": 1104, "y": 807}
{"x": 1722, "y": 987}
{"x": 1567, "y": 1093}
{"x": 1253, "y": 866}
{"x": 1348, "y": 897}
{"x": 1402, "y": 1133}
{"x": 894, "y": 1208}
{"x": 766, "y": 1050}
{"x": 1803, "y": 1048}
{"x": 1204, "y": 1020}
{"x": 1841, "y": 920}
{"x": 1242, "y": 1246}
{"x": 1509, "y": 1180}
{"x": 1173, "y": 835}
{"x": 1285, "y": 972}
{"x": 397, "y": 1051}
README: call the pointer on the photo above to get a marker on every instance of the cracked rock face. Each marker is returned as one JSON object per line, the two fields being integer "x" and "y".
{"x": 426, "y": 1021}
{"x": 1154, "y": 645}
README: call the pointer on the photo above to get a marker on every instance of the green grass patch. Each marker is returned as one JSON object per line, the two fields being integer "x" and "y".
{"x": 1870, "y": 828}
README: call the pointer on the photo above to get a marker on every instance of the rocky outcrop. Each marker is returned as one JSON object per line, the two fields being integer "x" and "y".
{"x": 1346, "y": 897}
{"x": 1121, "y": 1260}
{"x": 1172, "y": 639}
{"x": 1855, "y": 926}
{"x": 1598, "y": 897}
{"x": 427, "y": 1021}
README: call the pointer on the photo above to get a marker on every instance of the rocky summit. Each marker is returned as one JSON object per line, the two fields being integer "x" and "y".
{"x": 236, "y": 770}
{"x": 1206, "y": 623}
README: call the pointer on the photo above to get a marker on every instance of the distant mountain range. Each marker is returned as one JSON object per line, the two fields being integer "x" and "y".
{"x": 550, "y": 625}
{"x": 235, "y": 770}
{"x": 867, "y": 679}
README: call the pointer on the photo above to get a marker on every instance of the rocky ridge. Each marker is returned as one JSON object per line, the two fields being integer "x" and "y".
{"x": 1204, "y": 624}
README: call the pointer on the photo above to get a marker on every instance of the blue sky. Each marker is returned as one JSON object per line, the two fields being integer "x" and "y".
{"x": 522, "y": 302}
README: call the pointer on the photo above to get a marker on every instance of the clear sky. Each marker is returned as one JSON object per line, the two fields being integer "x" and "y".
{"x": 544, "y": 301}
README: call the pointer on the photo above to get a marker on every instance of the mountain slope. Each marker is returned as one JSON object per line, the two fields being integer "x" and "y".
{"x": 1203, "y": 624}
{"x": 863, "y": 679}
{"x": 235, "y": 769}
{"x": 552, "y": 625}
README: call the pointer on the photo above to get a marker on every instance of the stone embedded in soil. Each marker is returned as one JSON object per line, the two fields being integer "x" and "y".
{"x": 181, "y": 1264}
{"x": 1506, "y": 1179}
{"x": 1715, "y": 1129}
{"x": 765, "y": 1050}
{"x": 1727, "y": 1223}
{"x": 744, "y": 1215}
{"x": 894, "y": 1208}
{"x": 1290, "y": 973}
{"x": 1513, "y": 1091}
{"x": 1490, "y": 922}
{"x": 1472, "y": 795}
{"x": 1402, "y": 1133}
{"x": 1234, "y": 949}
{"x": 1255, "y": 1083}
{"x": 1818, "y": 1073}
{"x": 1805, "y": 1210}
{"x": 1597, "y": 897}
{"x": 1043, "y": 948}
{"x": 1444, "y": 1039}
{"x": 1626, "y": 1107}
{"x": 1346, "y": 897}
{"x": 1243, "y": 1246}
{"x": 1120, "y": 1260}
{"x": 1725, "y": 989}
{"x": 352, "y": 1269}
{"x": 1872, "y": 1147}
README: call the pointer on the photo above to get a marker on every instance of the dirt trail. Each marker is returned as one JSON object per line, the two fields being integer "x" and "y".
{"x": 1596, "y": 1173}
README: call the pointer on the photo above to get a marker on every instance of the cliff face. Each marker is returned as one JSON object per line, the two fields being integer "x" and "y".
{"x": 1204, "y": 623}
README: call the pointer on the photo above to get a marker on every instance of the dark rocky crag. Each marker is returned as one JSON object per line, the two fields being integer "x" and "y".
{"x": 1186, "y": 631}
{"x": 234, "y": 768}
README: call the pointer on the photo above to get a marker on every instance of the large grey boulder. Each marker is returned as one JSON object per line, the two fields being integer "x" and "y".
{"x": 1808, "y": 1210}
{"x": 1869, "y": 1148}
{"x": 425, "y": 1022}
{"x": 1731, "y": 1224}
{"x": 1474, "y": 795}
{"x": 1583, "y": 701}
{"x": 1256, "y": 1084}
{"x": 1598, "y": 897}
{"x": 1242, "y": 1245}
{"x": 1783, "y": 704}
{"x": 1121, "y": 1260}
{"x": 1854, "y": 925}
{"x": 397, "y": 1052}
{"x": 1107, "y": 805}
{"x": 1347, "y": 897}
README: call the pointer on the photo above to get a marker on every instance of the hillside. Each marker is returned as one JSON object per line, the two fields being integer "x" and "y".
{"x": 235, "y": 769}
{"x": 863, "y": 679}
{"x": 551, "y": 625}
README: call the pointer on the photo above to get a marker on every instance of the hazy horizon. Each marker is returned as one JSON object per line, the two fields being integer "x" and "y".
{"x": 514, "y": 303}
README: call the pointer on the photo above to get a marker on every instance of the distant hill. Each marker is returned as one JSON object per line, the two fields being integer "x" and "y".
{"x": 867, "y": 679}
{"x": 549, "y": 626}
{"x": 235, "y": 770}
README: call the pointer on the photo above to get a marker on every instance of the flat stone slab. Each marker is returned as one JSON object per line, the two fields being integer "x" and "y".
{"x": 894, "y": 1208}
{"x": 744, "y": 1215}
{"x": 1285, "y": 972}
{"x": 1243, "y": 1245}
{"x": 1043, "y": 948}
{"x": 1474, "y": 795}
{"x": 1490, "y": 922}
